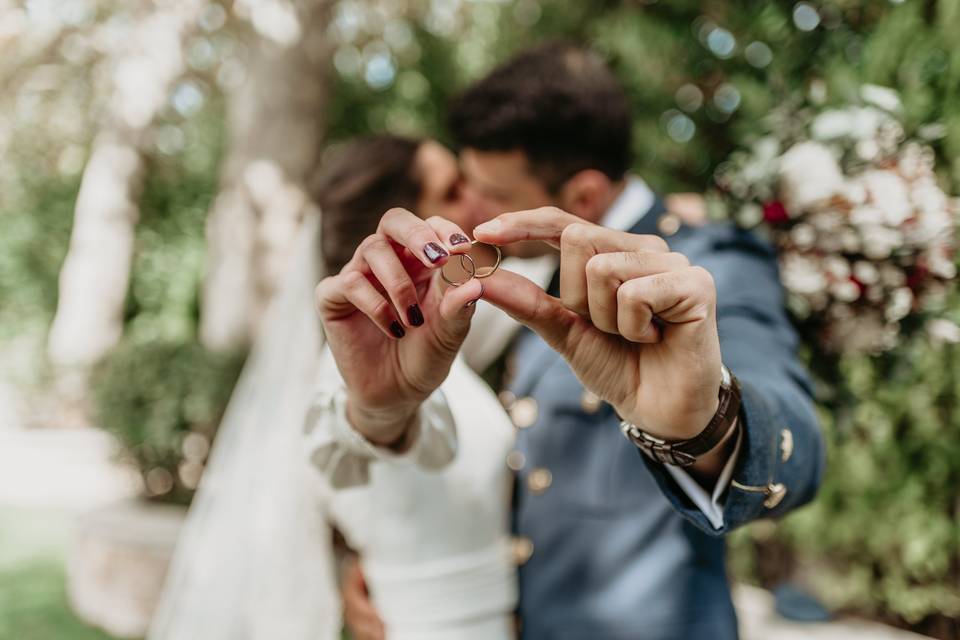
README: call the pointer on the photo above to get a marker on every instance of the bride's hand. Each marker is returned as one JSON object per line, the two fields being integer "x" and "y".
{"x": 391, "y": 327}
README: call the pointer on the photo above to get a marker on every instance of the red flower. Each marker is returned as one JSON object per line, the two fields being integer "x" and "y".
{"x": 775, "y": 213}
{"x": 917, "y": 275}
{"x": 862, "y": 287}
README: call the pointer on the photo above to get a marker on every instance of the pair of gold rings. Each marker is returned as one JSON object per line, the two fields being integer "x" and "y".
{"x": 469, "y": 266}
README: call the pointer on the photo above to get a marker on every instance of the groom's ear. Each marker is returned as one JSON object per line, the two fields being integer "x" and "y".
{"x": 587, "y": 194}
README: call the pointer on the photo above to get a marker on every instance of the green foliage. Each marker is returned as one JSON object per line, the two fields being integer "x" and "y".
{"x": 163, "y": 300}
{"x": 33, "y": 599}
{"x": 883, "y": 536}
{"x": 159, "y": 384}
{"x": 150, "y": 395}
{"x": 36, "y": 209}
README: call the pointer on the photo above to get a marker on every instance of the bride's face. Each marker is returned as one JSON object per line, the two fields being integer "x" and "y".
{"x": 442, "y": 191}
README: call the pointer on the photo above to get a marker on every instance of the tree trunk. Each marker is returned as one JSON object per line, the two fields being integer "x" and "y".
{"x": 94, "y": 277}
{"x": 275, "y": 131}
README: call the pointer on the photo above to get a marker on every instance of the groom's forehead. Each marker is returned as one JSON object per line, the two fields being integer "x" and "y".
{"x": 496, "y": 170}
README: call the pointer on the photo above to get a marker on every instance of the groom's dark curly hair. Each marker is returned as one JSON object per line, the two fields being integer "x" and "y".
{"x": 559, "y": 103}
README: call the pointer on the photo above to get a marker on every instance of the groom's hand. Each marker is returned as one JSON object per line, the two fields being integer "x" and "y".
{"x": 636, "y": 322}
{"x": 391, "y": 328}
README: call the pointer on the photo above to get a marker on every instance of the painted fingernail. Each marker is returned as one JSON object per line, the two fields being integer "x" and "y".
{"x": 458, "y": 238}
{"x": 397, "y": 329}
{"x": 434, "y": 252}
{"x": 414, "y": 315}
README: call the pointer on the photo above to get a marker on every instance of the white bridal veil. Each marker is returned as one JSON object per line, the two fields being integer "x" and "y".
{"x": 253, "y": 560}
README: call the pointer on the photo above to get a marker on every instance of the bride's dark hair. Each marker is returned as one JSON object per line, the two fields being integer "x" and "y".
{"x": 356, "y": 185}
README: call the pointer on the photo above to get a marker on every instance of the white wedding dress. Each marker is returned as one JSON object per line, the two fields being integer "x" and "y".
{"x": 255, "y": 558}
{"x": 430, "y": 525}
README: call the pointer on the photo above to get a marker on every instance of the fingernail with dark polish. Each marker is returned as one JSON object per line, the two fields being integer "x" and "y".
{"x": 458, "y": 238}
{"x": 434, "y": 252}
{"x": 414, "y": 315}
{"x": 397, "y": 329}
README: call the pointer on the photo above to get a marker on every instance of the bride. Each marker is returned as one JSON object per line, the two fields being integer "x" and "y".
{"x": 429, "y": 517}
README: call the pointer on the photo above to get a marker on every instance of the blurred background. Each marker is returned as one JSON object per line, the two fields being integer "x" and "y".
{"x": 156, "y": 159}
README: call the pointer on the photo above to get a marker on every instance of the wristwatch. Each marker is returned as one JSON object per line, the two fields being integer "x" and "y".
{"x": 683, "y": 453}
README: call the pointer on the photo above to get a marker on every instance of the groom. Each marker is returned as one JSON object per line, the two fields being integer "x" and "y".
{"x": 671, "y": 335}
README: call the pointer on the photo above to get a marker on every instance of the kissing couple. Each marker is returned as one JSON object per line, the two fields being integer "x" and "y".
{"x": 556, "y": 450}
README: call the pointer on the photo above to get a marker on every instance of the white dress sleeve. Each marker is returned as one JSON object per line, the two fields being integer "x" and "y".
{"x": 342, "y": 455}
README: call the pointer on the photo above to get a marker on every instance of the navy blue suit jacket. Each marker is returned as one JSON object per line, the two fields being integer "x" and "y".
{"x": 619, "y": 551}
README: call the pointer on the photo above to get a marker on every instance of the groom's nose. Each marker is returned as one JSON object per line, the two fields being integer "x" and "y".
{"x": 479, "y": 209}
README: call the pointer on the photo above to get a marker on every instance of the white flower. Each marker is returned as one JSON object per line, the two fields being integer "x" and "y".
{"x": 750, "y": 215}
{"x": 865, "y": 272}
{"x": 803, "y": 236}
{"x": 832, "y": 124}
{"x": 845, "y": 291}
{"x": 868, "y": 149}
{"x": 892, "y": 276}
{"x": 927, "y": 196}
{"x": 889, "y": 193}
{"x": 941, "y": 266}
{"x": 850, "y": 241}
{"x": 837, "y": 267}
{"x": 943, "y": 331}
{"x": 854, "y": 192}
{"x": 766, "y": 149}
{"x": 867, "y": 122}
{"x": 900, "y": 304}
{"x": 866, "y": 215}
{"x": 808, "y": 174}
{"x": 910, "y": 163}
{"x": 879, "y": 241}
{"x": 882, "y": 97}
{"x": 802, "y": 275}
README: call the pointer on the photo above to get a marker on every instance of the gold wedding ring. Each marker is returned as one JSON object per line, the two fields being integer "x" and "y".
{"x": 486, "y": 272}
{"x": 469, "y": 267}
{"x": 457, "y": 283}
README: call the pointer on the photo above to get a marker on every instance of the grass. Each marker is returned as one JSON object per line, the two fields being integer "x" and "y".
{"x": 33, "y": 599}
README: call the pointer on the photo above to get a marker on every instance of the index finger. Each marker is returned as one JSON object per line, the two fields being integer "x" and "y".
{"x": 545, "y": 224}
{"x": 409, "y": 231}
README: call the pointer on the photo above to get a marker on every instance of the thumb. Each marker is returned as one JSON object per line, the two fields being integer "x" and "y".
{"x": 457, "y": 306}
{"x": 527, "y": 303}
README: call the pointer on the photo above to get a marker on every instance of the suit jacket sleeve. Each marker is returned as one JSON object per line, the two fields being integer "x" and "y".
{"x": 782, "y": 443}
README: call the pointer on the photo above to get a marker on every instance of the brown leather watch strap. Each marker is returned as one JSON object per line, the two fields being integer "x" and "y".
{"x": 684, "y": 453}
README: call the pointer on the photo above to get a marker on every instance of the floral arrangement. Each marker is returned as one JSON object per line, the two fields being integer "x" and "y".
{"x": 865, "y": 234}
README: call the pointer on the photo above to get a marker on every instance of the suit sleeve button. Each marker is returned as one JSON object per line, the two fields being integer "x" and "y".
{"x": 776, "y": 492}
{"x": 539, "y": 480}
{"x": 524, "y": 412}
{"x": 522, "y": 549}
{"x": 516, "y": 460}
{"x": 786, "y": 444}
{"x": 590, "y": 402}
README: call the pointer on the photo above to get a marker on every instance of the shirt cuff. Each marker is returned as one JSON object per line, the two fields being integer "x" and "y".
{"x": 343, "y": 455}
{"x": 710, "y": 505}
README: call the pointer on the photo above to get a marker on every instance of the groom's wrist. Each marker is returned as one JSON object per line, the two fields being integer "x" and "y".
{"x": 383, "y": 427}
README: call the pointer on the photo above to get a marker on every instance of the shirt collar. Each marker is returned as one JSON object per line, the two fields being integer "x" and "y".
{"x": 630, "y": 206}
